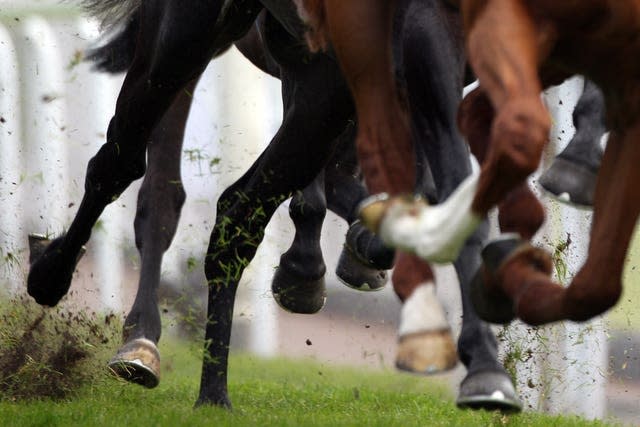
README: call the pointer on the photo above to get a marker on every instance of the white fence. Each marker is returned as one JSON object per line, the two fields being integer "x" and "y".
{"x": 53, "y": 116}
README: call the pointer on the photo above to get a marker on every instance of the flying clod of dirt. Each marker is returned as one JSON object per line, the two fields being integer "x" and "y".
{"x": 52, "y": 353}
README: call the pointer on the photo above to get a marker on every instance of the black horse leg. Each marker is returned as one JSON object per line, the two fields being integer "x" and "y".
{"x": 364, "y": 259}
{"x": 166, "y": 60}
{"x": 317, "y": 105}
{"x": 434, "y": 86}
{"x": 160, "y": 201}
{"x": 572, "y": 175}
{"x": 298, "y": 284}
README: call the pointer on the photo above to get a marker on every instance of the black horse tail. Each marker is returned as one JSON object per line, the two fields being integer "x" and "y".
{"x": 120, "y": 20}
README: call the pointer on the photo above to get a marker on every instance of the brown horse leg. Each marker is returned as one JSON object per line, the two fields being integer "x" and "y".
{"x": 598, "y": 285}
{"x": 360, "y": 32}
{"x": 520, "y": 211}
{"x": 504, "y": 51}
{"x": 425, "y": 344}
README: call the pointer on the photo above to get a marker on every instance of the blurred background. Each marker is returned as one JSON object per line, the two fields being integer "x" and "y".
{"x": 54, "y": 112}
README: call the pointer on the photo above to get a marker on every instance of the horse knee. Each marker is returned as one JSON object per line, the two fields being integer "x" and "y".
{"x": 520, "y": 130}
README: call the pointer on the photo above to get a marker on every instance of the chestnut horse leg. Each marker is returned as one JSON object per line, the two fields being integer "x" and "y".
{"x": 598, "y": 284}
{"x": 425, "y": 341}
{"x": 360, "y": 33}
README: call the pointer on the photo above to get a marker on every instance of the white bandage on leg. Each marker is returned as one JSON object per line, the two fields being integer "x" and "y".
{"x": 422, "y": 312}
{"x": 434, "y": 233}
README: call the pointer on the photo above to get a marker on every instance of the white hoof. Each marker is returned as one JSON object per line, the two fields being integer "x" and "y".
{"x": 434, "y": 233}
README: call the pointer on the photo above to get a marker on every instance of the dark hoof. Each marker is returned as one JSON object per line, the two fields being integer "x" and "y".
{"x": 492, "y": 305}
{"x": 492, "y": 391}
{"x": 570, "y": 182}
{"x": 355, "y": 274}
{"x": 51, "y": 273}
{"x": 138, "y": 361}
{"x": 296, "y": 294}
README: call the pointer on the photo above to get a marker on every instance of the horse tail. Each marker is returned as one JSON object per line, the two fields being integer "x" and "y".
{"x": 120, "y": 20}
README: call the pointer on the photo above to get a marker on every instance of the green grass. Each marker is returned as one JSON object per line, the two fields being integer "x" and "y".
{"x": 267, "y": 392}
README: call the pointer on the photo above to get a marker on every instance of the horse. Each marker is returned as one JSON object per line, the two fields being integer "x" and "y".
{"x": 156, "y": 76}
{"x": 538, "y": 44}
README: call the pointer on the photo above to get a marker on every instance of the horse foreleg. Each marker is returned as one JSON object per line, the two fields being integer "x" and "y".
{"x": 160, "y": 201}
{"x": 298, "y": 284}
{"x": 505, "y": 58}
{"x": 360, "y": 33}
{"x": 572, "y": 175}
{"x": 157, "y": 73}
{"x": 425, "y": 344}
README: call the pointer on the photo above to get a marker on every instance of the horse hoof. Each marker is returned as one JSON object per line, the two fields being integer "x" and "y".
{"x": 570, "y": 182}
{"x": 296, "y": 294}
{"x": 138, "y": 361}
{"x": 488, "y": 390}
{"x": 492, "y": 305}
{"x": 355, "y": 274}
{"x": 427, "y": 353}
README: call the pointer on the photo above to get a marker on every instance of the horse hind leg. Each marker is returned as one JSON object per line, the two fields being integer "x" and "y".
{"x": 298, "y": 284}
{"x": 160, "y": 201}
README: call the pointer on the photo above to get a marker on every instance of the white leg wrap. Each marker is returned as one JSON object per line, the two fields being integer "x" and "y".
{"x": 422, "y": 312}
{"x": 434, "y": 233}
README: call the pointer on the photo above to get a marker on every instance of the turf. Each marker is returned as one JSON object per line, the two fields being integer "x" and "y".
{"x": 276, "y": 392}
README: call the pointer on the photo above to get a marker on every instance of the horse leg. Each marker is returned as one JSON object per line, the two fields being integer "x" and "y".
{"x": 298, "y": 284}
{"x": 364, "y": 259}
{"x": 360, "y": 33}
{"x": 156, "y": 75}
{"x": 572, "y": 174}
{"x": 505, "y": 58}
{"x": 598, "y": 284}
{"x": 138, "y": 360}
{"x": 307, "y": 142}
{"x": 425, "y": 344}
{"x": 434, "y": 97}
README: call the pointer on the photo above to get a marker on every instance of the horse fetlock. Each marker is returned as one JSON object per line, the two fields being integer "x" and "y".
{"x": 435, "y": 233}
{"x": 523, "y": 127}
